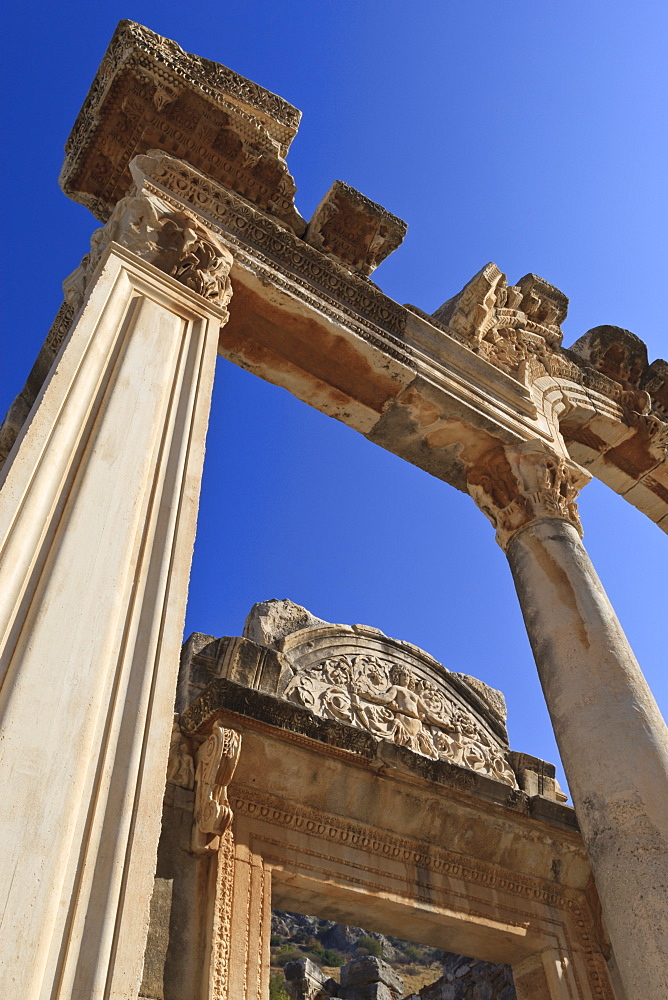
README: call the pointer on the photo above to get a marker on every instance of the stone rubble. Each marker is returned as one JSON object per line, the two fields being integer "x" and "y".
{"x": 370, "y": 978}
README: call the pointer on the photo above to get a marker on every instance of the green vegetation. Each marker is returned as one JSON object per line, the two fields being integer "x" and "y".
{"x": 306, "y": 941}
{"x": 287, "y": 953}
{"x": 276, "y": 991}
{"x": 326, "y": 956}
{"x": 367, "y": 945}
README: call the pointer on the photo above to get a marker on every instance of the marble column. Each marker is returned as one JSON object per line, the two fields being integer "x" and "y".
{"x": 611, "y": 736}
{"x": 97, "y": 523}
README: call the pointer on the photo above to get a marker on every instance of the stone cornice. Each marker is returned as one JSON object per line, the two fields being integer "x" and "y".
{"x": 148, "y": 93}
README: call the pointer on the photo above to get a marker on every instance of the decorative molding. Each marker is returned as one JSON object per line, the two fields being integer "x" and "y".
{"x": 59, "y": 329}
{"x": 390, "y": 701}
{"x": 524, "y": 345}
{"x": 518, "y": 329}
{"x": 173, "y": 241}
{"x": 149, "y": 93}
{"x": 262, "y": 241}
{"x": 267, "y": 808}
{"x": 134, "y": 45}
{"x": 516, "y": 485}
{"x": 487, "y": 304}
{"x": 218, "y": 981}
{"x": 216, "y": 762}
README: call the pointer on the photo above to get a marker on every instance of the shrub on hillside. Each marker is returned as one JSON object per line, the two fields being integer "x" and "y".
{"x": 367, "y": 945}
{"x": 288, "y": 953}
{"x": 326, "y": 956}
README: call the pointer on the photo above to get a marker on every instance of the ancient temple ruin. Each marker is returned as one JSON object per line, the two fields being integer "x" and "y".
{"x": 310, "y": 766}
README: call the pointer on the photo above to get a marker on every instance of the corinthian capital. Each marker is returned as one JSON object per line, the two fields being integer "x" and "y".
{"x": 515, "y": 485}
{"x": 171, "y": 240}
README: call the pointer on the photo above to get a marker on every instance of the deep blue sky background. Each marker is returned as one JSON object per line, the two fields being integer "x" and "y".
{"x": 531, "y": 134}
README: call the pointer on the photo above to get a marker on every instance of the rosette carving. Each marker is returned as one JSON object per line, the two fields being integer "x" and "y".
{"x": 393, "y": 703}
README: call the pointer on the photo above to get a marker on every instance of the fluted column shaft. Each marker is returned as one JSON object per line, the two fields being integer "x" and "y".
{"x": 97, "y": 523}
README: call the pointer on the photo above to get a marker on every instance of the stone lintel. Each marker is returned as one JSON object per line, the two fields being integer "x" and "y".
{"x": 353, "y": 229}
{"x": 238, "y": 706}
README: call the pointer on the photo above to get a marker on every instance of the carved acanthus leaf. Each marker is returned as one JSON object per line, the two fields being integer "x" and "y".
{"x": 515, "y": 485}
{"x": 390, "y": 701}
{"x": 216, "y": 762}
{"x": 170, "y": 240}
{"x": 507, "y": 324}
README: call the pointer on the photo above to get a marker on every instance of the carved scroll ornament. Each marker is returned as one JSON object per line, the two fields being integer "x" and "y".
{"x": 390, "y": 701}
{"x": 515, "y": 485}
{"x": 170, "y": 240}
{"x": 216, "y": 762}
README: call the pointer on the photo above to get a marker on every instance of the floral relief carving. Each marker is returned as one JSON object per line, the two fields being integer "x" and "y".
{"x": 393, "y": 703}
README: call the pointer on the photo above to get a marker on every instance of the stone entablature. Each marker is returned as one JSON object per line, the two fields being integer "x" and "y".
{"x": 149, "y": 93}
{"x": 437, "y": 395}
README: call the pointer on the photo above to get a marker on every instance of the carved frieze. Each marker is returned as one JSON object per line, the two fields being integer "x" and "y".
{"x": 216, "y": 762}
{"x": 517, "y": 328}
{"x": 488, "y": 314}
{"x": 260, "y": 242}
{"x": 393, "y": 703}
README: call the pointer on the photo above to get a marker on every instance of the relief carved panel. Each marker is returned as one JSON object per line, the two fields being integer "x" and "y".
{"x": 393, "y": 703}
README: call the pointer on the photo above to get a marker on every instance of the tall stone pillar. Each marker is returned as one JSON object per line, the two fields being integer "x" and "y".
{"x": 611, "y": 736}
{"x": 97, "y": 523}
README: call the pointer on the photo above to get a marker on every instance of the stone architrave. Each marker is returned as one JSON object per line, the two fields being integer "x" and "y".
{"x": 97, "y": 523}
{"x": 611, "y": 736}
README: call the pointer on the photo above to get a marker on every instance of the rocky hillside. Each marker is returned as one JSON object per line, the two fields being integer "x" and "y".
{"x": 317, "y": 959}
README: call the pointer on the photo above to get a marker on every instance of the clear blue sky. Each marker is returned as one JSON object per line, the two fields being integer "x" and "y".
{"x": 531, "y": 134}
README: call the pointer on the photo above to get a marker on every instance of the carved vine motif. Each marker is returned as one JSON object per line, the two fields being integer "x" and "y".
{"x": 392, "y": 702}
{"x": 216, "y": 762}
